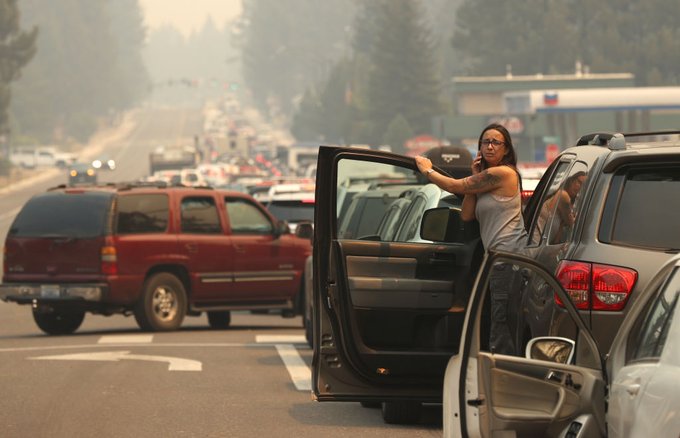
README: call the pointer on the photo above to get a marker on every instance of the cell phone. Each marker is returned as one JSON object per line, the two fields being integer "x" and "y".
{"x": 482, "y": 161}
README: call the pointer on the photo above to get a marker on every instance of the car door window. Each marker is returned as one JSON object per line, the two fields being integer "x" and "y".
{"x": 142, "y": 214}
{"x": 566, "y": 204}
{"x": 246, "y": 218}
{"x": 520, "y": 305}
{"x": 654, "y": 329}
{"x": 361, "y": 218}
{"x": 547, "y": 207}
{"x": 199, "y": 216}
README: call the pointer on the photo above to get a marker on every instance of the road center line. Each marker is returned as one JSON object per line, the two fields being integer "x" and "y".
{"x": 298, "y": 370}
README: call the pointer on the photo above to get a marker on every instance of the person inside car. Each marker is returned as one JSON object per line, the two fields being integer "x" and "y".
{"x": 492, "y": 195}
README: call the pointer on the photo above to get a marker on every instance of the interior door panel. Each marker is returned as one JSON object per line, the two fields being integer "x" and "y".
{"x": 405, "y": 307}
{"x": 533, "y": 397}
{"x": 389, "y": 282}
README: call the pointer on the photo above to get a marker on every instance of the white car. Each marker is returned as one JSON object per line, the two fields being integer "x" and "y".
{"x": 565, "y": 387}
{"x": 293, "y": 203}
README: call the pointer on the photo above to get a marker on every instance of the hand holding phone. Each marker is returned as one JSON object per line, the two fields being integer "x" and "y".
{"x": 478, "y": 163}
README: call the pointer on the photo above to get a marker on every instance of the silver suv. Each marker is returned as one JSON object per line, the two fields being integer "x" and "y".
{"x": 614, "y": 225}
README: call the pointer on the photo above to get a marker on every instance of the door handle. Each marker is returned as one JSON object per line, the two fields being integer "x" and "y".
{"x": 191, "y": 247}
{"x": 442, "y": 258}
{"x": 633, "y": 389}
{"x": 239, "y": 249}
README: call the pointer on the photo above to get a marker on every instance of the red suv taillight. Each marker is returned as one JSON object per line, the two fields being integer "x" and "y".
{"x": 596, "y": 286}
{"x": 109, "y": 259}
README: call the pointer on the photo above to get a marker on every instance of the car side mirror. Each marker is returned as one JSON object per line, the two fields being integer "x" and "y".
{"x": 443, "y": 224}
{"x": 305, "y": 230}
{"x": 551, "y": 349}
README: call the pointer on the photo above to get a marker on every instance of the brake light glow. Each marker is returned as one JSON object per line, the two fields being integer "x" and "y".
{"x": 526, "y": 194}
{"x": 596, "y": 286}
{"x": 109, "y": 259}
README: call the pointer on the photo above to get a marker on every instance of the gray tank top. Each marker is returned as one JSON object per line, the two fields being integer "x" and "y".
{"x": 500, "y": 222}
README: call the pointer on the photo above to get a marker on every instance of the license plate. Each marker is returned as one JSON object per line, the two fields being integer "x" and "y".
{"x": 49, "y": 291}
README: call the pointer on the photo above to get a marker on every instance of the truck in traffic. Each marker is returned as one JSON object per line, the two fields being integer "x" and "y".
{"x": 173, "y": 157}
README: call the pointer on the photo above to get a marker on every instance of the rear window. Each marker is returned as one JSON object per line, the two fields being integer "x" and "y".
{"x": 142, "y": 214}
{"x": 648, "y": 211}
{"x": 59, "y": 214}
{"x": 292, "y": 211}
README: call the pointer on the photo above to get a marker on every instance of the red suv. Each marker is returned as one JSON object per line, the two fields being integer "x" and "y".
{"x": 156, "y": 252}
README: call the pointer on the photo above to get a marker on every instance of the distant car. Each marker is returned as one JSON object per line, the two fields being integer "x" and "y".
{"x": 81, "y": 173}
{"x": 293, "y": 203}
{"x": 104, "y": 163}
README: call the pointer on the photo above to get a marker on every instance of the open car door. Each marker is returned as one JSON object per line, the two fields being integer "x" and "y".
{"x": 552, "y": 386}
{"x": 387, "y": 314}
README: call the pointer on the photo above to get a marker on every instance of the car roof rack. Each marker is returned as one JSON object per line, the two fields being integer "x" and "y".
{"x": 617, "y": 140}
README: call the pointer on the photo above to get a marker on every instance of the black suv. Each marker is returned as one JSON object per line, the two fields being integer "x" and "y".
{"x": 387, "y": 313}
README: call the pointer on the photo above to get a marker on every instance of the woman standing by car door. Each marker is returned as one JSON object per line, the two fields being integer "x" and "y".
{"x": 493, "y": 197}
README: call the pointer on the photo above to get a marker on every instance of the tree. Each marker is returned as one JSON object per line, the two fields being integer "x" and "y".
{"x": 403, "y": 77}
{"x": 534, "y": 36}
{"x": 550, "y": 36}
{"x": 398, "y": 131}
{"x": 17, "y": 47}
{"x": 87, "y": 66}
{"x": 307, "y": 122}
{"x": 286, "y": 45}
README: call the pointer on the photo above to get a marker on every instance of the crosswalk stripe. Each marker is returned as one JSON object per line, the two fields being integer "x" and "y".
{"x": 297, "y": 368}
{"x": 126, "y": 339}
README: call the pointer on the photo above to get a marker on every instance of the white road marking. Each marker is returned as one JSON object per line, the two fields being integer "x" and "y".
{"x": 174, "y": 363}
{"x": 280, "y": 339}
{"x": 297, "y": 368}
{"x": 126, "y": 339}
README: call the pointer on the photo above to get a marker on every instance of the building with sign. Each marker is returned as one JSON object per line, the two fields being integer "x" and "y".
{"x": 547, "y": 113}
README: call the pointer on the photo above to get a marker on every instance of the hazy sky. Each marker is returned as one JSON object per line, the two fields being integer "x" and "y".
{"x": 188, "y": 15}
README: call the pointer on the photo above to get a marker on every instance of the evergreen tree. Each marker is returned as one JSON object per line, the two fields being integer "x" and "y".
{"x": 531, "y": 37}
{"x": 550, "y": 36}
{"x": 307, "y": 121}
{"x": 132, "y": 78}
{"x": 288, "y": 45}
{"x": 403, "y": 78}
{"x": 398, "y": 131}
{"x": 17, "y": 47}
{"x": 84, "y": 69}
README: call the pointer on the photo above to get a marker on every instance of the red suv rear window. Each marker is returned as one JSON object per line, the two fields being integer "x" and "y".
{"x": 59, "y": 214}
